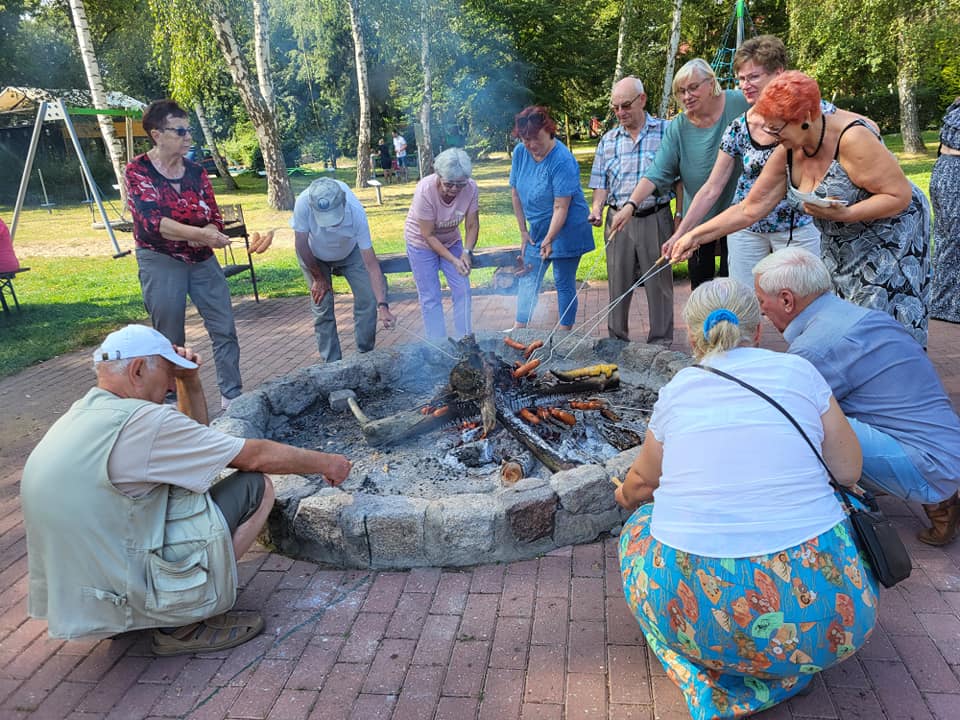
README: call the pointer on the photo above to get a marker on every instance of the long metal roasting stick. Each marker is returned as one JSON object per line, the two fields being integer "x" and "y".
{"x": 422, "y": 339}
{"x": 659, "y": 266}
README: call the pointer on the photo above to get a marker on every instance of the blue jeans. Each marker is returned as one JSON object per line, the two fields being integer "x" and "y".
{"x": 564, "y": 276}
{"x": 426, "y": 265}
{"x": 887, "y": 467}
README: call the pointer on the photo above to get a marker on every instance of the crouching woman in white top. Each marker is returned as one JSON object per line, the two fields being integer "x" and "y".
{"x": 743, "y": 573}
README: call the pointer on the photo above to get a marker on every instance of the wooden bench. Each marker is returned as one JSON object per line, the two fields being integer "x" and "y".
{"x": 6, "y": 285}
{"x": 498, "y": 257}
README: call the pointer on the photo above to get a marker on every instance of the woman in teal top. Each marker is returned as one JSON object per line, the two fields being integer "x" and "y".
{"x": 545, "y": 184}
{"x": 688, "y": 151}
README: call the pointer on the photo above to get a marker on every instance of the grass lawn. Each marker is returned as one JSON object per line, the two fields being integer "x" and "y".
{"x": 76, "y": 292}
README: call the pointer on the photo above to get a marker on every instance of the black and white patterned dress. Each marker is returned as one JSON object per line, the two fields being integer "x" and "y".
{"x": 882, "y": 264}
{"x": 945, "y": 197}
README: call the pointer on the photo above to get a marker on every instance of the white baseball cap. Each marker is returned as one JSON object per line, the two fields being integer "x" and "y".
{"x": 135, "y": 341}
{"x": 327, "y": 200}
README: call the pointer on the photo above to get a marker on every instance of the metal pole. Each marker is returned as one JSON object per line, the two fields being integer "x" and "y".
{"x": 89, "y": 175}
{"x": 27, "y": 167}
{"x": 46, "y": 200}
{"x": 740, "y": 8}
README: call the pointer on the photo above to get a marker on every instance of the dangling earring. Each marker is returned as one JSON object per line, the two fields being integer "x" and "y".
{"x": 804, "y": 125}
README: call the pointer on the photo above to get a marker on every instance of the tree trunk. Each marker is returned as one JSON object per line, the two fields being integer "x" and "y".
{"x": 279, "y": 194}
{"x": 360, "y": 56}
{"x": 621, "y": 42}
{"x": 261, "y": 44}
{"x": 671, "y": 57}
{"x": 98, "y": 95}
{"x": 211, "y": 142}
{"x": 426, "y": 104}
{"x": 907, "y": 74}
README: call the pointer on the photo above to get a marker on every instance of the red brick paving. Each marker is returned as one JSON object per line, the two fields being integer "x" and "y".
{"x": 543, "y": 639}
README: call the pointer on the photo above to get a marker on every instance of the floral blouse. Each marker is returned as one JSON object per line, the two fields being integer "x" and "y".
{"x": 737, "y": 142}
{"x": 152, "y": 197}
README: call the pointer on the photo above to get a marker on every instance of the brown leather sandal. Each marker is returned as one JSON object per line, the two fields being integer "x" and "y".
{"x": 216, "y": 633}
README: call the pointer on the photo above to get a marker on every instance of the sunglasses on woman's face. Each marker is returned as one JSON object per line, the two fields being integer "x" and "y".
{"x": 180, "y": 131}
{"x": 533, "y": 120}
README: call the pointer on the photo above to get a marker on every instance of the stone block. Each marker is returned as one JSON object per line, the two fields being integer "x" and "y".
{"x": 292, "y": 395}
{"x": 584, "y": 489}
{"x": 317, "y": 526}
{"x": 237, "y": 427}
{"x": 459, "y": 529}
{"x": 390, "y": 526}
{"x": 618, "y": 465}
{"x": 572, "y": 529}
{"x": 529, "y": 510}
{"x": 338, "y": 399}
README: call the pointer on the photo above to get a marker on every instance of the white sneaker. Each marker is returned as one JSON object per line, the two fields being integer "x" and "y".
{"x": 225, "y": 402}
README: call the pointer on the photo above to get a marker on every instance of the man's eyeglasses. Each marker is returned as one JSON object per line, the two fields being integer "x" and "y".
{"x": 751, "y": 78}
{"x": 691, "y": 89}
{"x": 617, "y": 107}
{"x": 534, "y": 120}
{"x": 180, "y": 131}
{"x": 775, "y": 131}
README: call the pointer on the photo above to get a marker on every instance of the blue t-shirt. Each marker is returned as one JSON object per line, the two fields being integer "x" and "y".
{"x": 881, "y": 376}
{"x": 538, "y": 183}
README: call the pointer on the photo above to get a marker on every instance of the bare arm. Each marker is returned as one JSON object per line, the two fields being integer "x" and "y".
{"x": 641, "y": 192}
{"x": 208, "y": 235}
{"x": 643, "y": 477}
{"x": 841, "y": 449}
{"x": 561, "y": 205}
{"x": 708, "y": 193}
{"x": 596, "y": 208}
{"x": 521, "y": 219}
{"x": 471, "y": 227}
{"x": 379, "y": 284}
{"x": 320, "y": 285}
{"x": 272, "y": 457}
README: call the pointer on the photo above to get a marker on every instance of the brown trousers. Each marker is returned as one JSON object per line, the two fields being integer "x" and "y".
{"x": 630, "y": 254}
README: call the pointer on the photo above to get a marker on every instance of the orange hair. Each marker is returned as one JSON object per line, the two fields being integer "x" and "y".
{"x": 791, "y": 96}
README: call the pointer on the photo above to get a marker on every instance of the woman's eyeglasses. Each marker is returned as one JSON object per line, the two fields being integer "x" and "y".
{"x": 775, "y": 131}
{"x": 616, "y": 107}
{"x": 180, "y": 131}
{"x": 691, "y": 89}
{"x": 534, "y": 120}
{"x": 751, "y": 78}
{"x": 454, "y": 183}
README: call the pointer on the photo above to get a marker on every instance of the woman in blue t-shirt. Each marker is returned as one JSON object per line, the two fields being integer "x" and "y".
{"x": 545, "y": 183}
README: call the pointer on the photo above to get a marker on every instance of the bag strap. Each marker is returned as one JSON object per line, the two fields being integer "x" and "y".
{"x": 844, "y": 492}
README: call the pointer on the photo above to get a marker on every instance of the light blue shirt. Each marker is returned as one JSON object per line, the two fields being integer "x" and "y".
{"x": 334, "y": 242}
{"x": 538, "y": 183}
{"x": 881, "y": 376}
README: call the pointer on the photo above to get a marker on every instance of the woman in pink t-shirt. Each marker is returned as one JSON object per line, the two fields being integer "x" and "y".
{"x": 8, "y": 260}
{"x": 441, "y": 202}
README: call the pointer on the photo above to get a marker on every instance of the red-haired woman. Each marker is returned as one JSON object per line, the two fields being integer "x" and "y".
{"x": 874, "y": 223}
{"x": 545, "y": 182}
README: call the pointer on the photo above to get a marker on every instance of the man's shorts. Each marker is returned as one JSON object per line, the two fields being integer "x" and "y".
{"x": 238, "y": 496}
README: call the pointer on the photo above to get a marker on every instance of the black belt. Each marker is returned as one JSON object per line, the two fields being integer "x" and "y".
{"x": 646, "y": 211}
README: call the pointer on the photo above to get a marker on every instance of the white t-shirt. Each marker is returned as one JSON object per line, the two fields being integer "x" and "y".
{"x": 738, "y": 479}
{"x": 161, "y": 445}
{"x": 335, "y": 242}
{"x": 399, "y": 146}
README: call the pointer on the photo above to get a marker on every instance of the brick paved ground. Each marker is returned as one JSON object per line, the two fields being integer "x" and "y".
{"x": 543, "y": 639}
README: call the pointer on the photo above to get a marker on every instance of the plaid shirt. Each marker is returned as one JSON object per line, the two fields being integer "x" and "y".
{"x": 620, "y": 161}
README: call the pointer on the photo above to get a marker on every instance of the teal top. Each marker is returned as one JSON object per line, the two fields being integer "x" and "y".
{"x": 689, "y": 153}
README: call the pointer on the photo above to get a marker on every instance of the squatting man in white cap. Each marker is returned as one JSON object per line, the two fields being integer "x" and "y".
{"x": 128, "y": 524}
{"x": 333, "y": 238}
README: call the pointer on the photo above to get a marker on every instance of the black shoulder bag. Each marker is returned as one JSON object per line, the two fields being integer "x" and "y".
{"x": 874, "y": 534}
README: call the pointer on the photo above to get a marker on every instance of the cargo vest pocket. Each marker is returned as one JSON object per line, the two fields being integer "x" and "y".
{"x": 178, "y": 585}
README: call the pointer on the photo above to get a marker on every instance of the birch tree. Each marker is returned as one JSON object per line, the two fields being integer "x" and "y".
{"x": 363, "y": 92}
{"x": 261, "y": 50}
{"x": 211, "y": 142}
{"x": 426, "y": 103}
{"x": 98, "y": 94}
{"x": 671, "y": 57}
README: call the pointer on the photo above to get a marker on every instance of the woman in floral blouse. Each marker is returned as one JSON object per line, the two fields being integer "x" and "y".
{"x": 177, "y": 226}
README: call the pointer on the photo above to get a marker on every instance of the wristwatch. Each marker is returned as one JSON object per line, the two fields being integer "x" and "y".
{"x": 383, "y": 305}
{"x": 631, "y": 202}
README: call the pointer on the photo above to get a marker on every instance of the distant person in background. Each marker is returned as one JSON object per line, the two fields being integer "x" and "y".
{"x": 945, "y": 197}
{"x": 400, "y": 151}
{"x": 332, "y": 237}
{"x": 8, "y": 259}
{"x": 386, "y": 162}
{"x": 688, "y": 151}
{"x": 545, "y": 184}
{"x": 441, "y": 202}
{"x": 177, "y": 226}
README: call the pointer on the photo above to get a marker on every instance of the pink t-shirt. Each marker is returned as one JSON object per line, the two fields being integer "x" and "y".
{"x": 8, "y": 260}
{"x": 427, "y": 205}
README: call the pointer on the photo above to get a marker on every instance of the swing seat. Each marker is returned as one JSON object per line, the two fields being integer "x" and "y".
{"x": 121, "y": 225}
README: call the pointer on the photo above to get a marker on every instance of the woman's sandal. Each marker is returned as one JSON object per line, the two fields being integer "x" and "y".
{"x": 215, "y": 633}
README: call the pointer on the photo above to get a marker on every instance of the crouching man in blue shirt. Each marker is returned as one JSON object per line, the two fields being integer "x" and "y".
{"x": 883, "y": 380}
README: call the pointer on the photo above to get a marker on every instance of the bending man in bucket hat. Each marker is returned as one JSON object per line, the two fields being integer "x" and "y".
{"x": 333, "y": 238}
{"x": 128, "y": 525}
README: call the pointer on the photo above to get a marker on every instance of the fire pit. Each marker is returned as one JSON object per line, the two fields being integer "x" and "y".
{"x": 456, "y": 461}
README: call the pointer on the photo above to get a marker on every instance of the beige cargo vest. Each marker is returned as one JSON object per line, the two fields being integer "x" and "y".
{"x": 102, "y": 562}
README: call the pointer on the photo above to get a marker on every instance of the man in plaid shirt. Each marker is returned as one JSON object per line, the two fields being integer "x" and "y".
{"x": 623, "y": 156}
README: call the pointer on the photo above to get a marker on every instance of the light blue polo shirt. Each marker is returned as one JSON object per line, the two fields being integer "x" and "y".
{"x": 333, "y": 243}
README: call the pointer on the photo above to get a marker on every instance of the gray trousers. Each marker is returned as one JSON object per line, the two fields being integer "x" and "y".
{"x": 630, "y": 254}
{"x": 364, "y": 306}
{"x": 166, "y": 282}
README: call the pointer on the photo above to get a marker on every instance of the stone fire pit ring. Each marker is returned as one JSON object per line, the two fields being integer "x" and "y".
{"x": 350, "y": 528}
